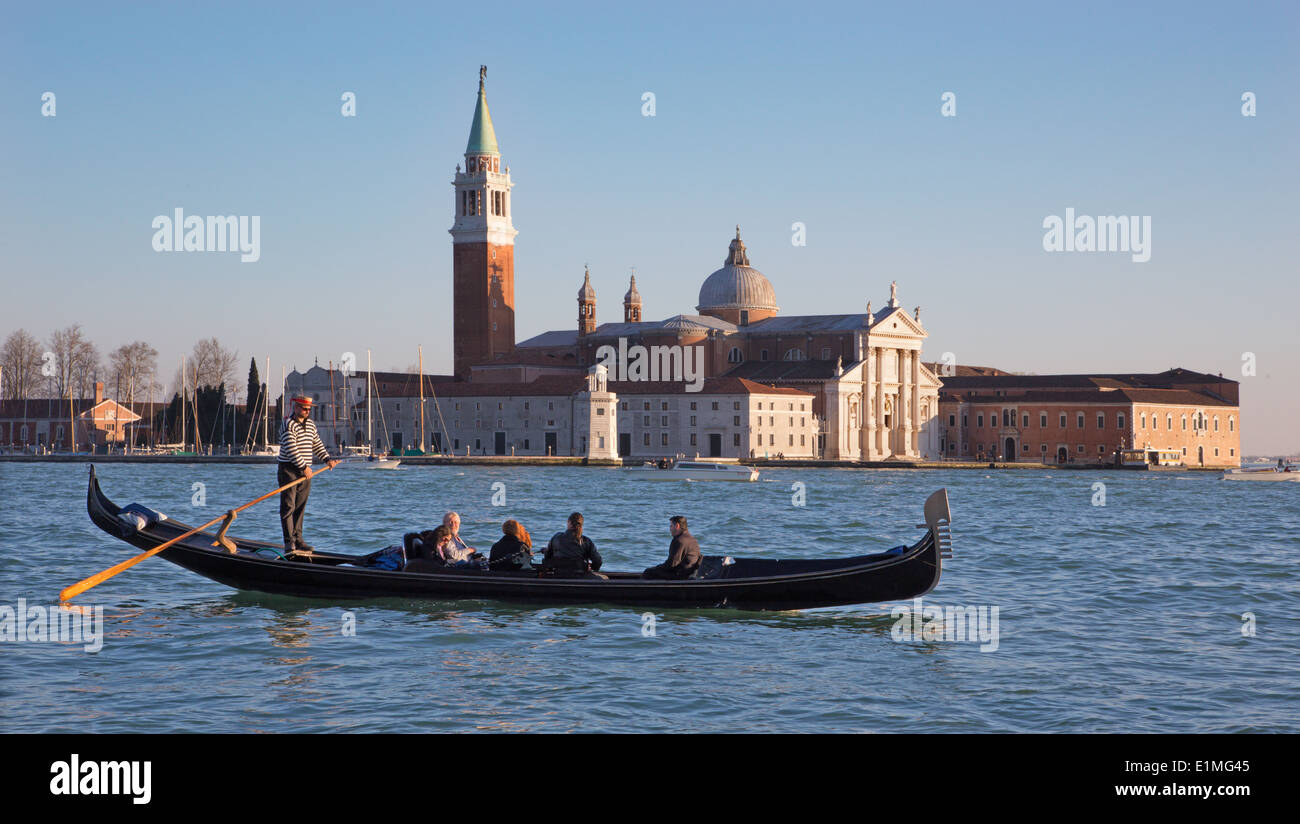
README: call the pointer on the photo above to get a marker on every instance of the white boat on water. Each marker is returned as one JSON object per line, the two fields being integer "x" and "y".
{"x": 694, "y": 471}
{"x": 1282, "y": 474}
{"x": 361, "y": 458}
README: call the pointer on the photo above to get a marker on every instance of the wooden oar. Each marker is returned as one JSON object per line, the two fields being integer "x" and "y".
{"x": 98, "y": 578}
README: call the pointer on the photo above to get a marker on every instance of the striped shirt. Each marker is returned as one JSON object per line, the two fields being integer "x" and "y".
{"x": 299, "y": 443}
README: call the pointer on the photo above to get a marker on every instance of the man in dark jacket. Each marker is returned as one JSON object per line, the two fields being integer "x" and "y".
{"x": 571, "y": 551}
{"x": 683, "y": 553}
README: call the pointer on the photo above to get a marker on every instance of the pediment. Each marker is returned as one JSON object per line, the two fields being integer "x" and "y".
{"x": 897, "y": 323}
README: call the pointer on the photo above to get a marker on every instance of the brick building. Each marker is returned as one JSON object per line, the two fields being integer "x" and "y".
{"x": 987, "y": 414}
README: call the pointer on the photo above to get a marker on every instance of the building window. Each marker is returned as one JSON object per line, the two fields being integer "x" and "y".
{"x": 735, "y": 439}
{"x": 1042, "y": 420}
{"x": 771, "y": 440}
{"x": 1169, "y": 422}
{"x": 1216, "y": 451}
{"x": 692, "y": 406}
{"x": 1184, "y": 423}
{"x": 1043, "y": 449}
{"x": 1231, "y": 425}
{"x": 715, "y": 406}
{"x": 1119, "y": 421}
{"x": 1024, "y": 421}
{"x": 645, "y": 406}
{"x": 1024, "y": 448}
{"x": 525, "y": 443}
{"x": 1232, "y": 453}
{"x": 624, "y": 406}
{"x": 803, "y": 440}
{"x": 1080, "y": 449}
{"x": 692, "y": 439}
{"x": 664, "y": 406}
{"x": 964, "y": 424}
{"x": 600, "y": 410}
{"x": 952, "y": 420}
{"x": 979, "y": 420}
{"x": 1062, "y": 420}
{"x": 1101, "y": 420}
{"x": 1079, "y": 420}
{"x": 794, "y": 355}
{"x": 692, "y": 421}
{"x": 735, "y": 355}
{"x": 762, "y": 355}
{"x": 1143, "y": 421}
{"x": 663, "y": 420}
{"x": 1216, "y": 423}
{"x": 826, "y": 353}
{"x": 525, "y": 405}
{"x": 645, "y": 420}
{"x": 735, "y": 404}
{"x": 663, "y": 439}
{"x": 792, "y": 440}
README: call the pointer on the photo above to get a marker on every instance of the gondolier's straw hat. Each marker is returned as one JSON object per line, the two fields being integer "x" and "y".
{"x": 303, "y": 402}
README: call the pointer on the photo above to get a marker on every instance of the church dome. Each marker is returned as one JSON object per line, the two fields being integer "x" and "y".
{"x": 737, "y": 285}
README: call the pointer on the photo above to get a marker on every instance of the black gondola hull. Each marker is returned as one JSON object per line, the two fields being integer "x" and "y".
{"x": 778, "y": 585}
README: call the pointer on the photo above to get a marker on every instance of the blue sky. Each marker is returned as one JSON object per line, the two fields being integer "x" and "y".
{"x": 765, "y": 115}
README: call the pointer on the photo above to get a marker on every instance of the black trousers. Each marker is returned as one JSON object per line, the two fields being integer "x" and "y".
{"x": 293, "y": 503}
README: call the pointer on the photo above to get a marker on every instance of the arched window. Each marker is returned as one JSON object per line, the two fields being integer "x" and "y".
{"x": 794, "y": 355}
{"x": 735, "y": 355}
{"x": 1216, "y": 423}
{"x": 1230, "y": 427}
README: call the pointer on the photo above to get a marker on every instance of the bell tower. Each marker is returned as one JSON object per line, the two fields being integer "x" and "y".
{"x": 586, "y": 306}
{"x": 483, "y": 249}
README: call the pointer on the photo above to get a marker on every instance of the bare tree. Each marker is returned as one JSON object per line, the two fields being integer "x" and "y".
{"x": 133, "y": 367}
{"x": 214, "y": 365}
{"x": 76, "y": 361}
{"x": 21, "y": 360}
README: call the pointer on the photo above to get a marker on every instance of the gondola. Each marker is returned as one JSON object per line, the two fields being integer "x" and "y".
{"x": 741, "y": 583}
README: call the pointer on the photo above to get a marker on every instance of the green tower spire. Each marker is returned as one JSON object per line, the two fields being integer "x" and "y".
{"x": 482, "y": 137}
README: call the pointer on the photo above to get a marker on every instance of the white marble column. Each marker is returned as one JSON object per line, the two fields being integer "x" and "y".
{"x": 904, "y": 400}
{"x": 867, "y": 444}
{"x": 915, "y": 443}
{"x": 878, "y": 444}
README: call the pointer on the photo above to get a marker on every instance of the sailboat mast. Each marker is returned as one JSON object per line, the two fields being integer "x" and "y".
{"x": 370, "y": 377}
{"x": 183, "y": 393}
{"x": 266, "y": 405}
{"x": 420, "y": 349}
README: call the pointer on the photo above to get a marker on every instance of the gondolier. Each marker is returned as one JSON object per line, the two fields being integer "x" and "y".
{"x": 300, "y": 443}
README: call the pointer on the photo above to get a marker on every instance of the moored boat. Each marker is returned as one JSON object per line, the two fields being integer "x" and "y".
{"x": 746, "y": 583}
{"x": 694, "y": 471}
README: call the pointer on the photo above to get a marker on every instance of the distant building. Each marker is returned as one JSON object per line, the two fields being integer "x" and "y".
{"x": 994, "y": 415}
{"x": 47, "y": 423}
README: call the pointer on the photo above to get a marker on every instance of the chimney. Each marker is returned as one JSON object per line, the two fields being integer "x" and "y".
{"x": 99, "y": 392}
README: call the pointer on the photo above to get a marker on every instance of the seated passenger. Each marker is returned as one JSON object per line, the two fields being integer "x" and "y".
{"x": 514, "y": 550}
{"x": 683, "y": 553}
{"x": 422, "y": 553}
{"x": 460, "y": 551}
{"x": 571, "y": 551}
